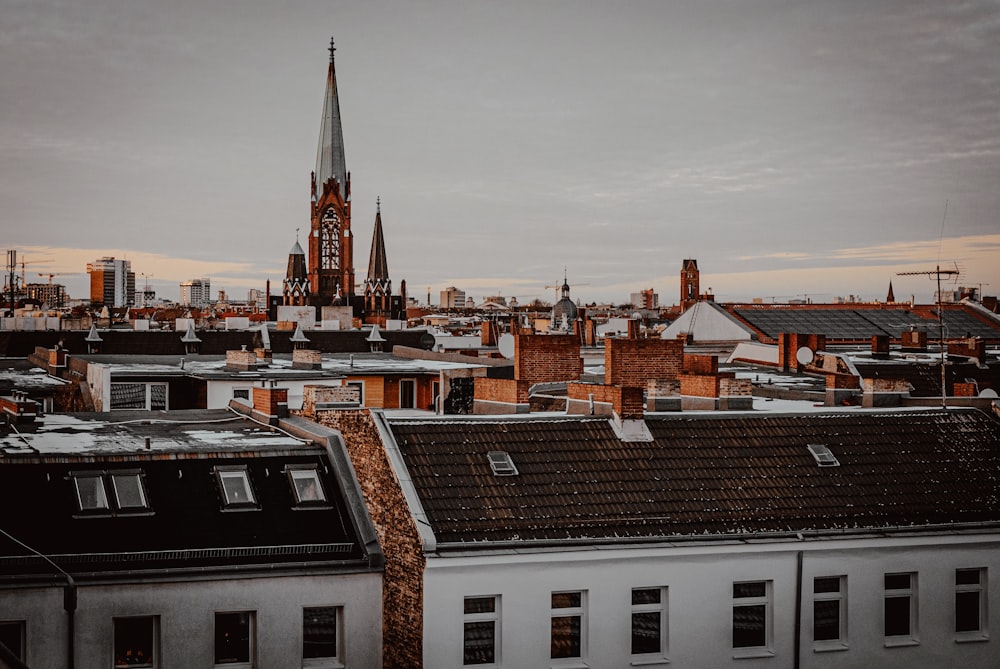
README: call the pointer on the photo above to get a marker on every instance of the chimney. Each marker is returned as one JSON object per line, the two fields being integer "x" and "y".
{"x": 17, "y": 408}
{"x": 270, "y": 403}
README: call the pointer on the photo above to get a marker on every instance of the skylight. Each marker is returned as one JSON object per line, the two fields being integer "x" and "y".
{"x": 306, "y": 485}
{"x": 824, "y": 456}
{"x": 501, "y": 463}
{"x": 129, "y": 493}
{"x": 234, "y": 484}
{"x": 90, "y": 494}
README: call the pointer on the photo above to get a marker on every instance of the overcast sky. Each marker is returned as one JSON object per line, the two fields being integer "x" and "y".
{"x": 793, "y": 148}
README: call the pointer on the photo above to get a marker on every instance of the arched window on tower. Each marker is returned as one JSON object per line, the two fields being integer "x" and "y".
{"x": 329, "y": 240}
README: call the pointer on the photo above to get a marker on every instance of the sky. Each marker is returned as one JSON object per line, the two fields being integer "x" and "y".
{"x": 796, "y": 149}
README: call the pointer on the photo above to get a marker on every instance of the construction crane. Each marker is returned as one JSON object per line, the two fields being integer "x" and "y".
{"x": 55, "y": 274}
{"x": 557, "y": 288}
{"x": 938, "y": 272}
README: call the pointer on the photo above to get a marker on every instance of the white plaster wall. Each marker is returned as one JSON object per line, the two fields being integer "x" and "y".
{"x": 99, "y": 380}
{"x": 700, "y": 601}
{"x": 220, "y": 392}
{"x": 187, "y": 618}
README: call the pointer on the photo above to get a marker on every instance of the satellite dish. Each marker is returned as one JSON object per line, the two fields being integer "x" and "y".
{"x": 506, "y": 345}
{"x": 427, "y": 341}
{"x": 804, "y": 355}
{"x": 987, "y": 392}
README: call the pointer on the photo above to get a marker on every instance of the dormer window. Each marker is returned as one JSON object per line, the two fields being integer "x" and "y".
{"x": 234, "y": 487}
{"x": 307, "y": 488}
{"x": 501, "y": 463}
{"x": 117, "y": 492}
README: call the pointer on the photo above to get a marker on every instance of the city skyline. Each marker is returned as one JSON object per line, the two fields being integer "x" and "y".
{"x": 793, "y": 150}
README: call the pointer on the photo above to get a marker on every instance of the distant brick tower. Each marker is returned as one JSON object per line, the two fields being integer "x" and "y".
{"x": 331, "y": 259}
{"x": 295, "y": 286}
{"x": 689, "y": 283}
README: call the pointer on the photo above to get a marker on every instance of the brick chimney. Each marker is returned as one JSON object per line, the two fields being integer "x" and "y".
{"x": 18, "y": 408}
{"x": 270, "y": 403}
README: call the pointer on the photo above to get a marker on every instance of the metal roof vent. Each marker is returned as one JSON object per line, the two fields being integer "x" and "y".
{"x": 824, "y": 456}
{"x": 501, "y": 463}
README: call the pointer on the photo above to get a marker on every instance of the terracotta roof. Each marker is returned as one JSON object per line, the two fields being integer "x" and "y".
{"x": 714, "y": 475}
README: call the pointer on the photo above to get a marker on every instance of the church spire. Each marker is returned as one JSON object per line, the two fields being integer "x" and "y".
{"x": 378, "y": 266}
{"x": 330, "y": 160}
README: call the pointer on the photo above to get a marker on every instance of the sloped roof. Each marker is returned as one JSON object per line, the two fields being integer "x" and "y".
{"x": 707, "y": 321}
{"x": 187, "y": 527}
{"x": 720, "y": 475}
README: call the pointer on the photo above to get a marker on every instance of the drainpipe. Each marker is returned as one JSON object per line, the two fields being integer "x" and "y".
{"x": 69, "y": 603}
{"x": 798, "y": 608}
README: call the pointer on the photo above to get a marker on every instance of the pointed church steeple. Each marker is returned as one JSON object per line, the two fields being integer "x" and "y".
{"x": 378, "y": 266}
{"x": 891, "y": 297}
{"x": 330, "y": 159}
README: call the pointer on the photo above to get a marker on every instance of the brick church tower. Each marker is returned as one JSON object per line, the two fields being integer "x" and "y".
{"x": 331, "y": 259}
{"x": 689, "y": 283}
{"x": 380, "y": 303}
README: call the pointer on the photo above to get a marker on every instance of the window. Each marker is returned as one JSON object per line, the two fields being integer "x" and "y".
{"x": 360, "y": 385}
{"x": 234, "y": 486}
{"x": 12, "y": 636}
{"x": 830, "y": 613}
{"x": 90, "y": 493}
{"x": 900, "y": 614}
{"x": 136, "y": 642}
{"x": 407, "y": 394}
{"x": 241, "y": 394}
{"x": 320, "y": 635}
{"x": 128, "y": 492}
{"x": 649, "y": 621}
{"x": 306, "y": 486}
{"x": 501, "y": 463}
{"x": 752, "y": 618}
{"x": 234, "y": 638}
{"x": 481, "y": 634}
{"x": 148, "y": 396}
{"x": 970, "y": 603}
{"x": 568, "y": 624}
{"x": 823, "y": 455}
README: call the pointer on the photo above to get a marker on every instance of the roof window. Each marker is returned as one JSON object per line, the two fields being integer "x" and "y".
{"x": 306, "y": 485}
{"x": 824, "y": 456}
{"x": 235, "y": 488}
{"x": 128, "y": 492}
{"x": 501, "y": 463}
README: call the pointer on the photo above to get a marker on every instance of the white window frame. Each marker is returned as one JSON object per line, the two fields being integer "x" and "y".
{"x": 981, "y": 634}
{"x": 767, "y": 601}
{"x": 242, "y": 389}
{"x": 136, "y": 474}
{"x": 840, "y": 596}
{"x": 661, "y": 607}
{"x": 486, "y": 616}
{"x": 149, "y": 395}
{"x": 102, "y": 493}
{"x": 223, "y": 472}
{"x": 570, "y": 612}
{"x": 307, "y": 473}
{"x": 912, "y": 638}
{"x": 154, "y": 660}
{"x": 326, "y": 662}
{"x": 252, "y": 642}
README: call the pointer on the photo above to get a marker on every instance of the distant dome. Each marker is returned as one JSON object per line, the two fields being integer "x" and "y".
{"x": 564, "y": 310}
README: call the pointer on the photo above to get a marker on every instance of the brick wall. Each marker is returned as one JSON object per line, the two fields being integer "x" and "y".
{"x": 701, "y": 364}
{"x": 634, "y": 362}
{"x": 272, "y": 402}
{"x": 914, "y": 339}
{"x": 842, "y": 382}
{"x": 313, "y": 394}
{"x": 699, "y": 385}
{"x": 501, "y": 390}
{"x": 885, "y": 385}
{"x": 662, "y": 387}
{"x": 789, "y": 344}
{"x": 963, "y": 389}
{"x": 545, "y": 358}
{"x": 974, "y": 348}
{"x": 402, "y": 589}
{"x": 241, "y": 360}
{"x": 306, "y": 358}
{"x": 733, "y": 387}
{"x": 627, "y": 402}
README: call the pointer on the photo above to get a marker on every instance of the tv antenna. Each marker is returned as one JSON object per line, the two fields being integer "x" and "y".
{"x": 938, "y": 272}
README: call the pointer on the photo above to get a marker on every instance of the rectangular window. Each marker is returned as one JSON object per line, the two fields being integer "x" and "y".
{"x": 900, "y": 611}
{"x": 12, "y": 633}
{"x": 407, "y": 394}
{"x": 752, "y": 617}
{"x": 90, "y": 492}
{"x": 135, "y": 642}
{"x": 234, "y": 486}
{"x": 481, "y": 632}
{"x": 360, "y": 385}
{"x": 320, "y": 635}
{"x": 129, "y": 491}
{"x": 970, "y": 603}
{"x": 234, "y": 639}
{"x": 306, "y": 486}
{"x": 830, "y": 612}
{"x": 649, "y": 621}
{"x": 147, "y": 396}
{"x": 241, "y": 394}
{"x": 569, "y": 624}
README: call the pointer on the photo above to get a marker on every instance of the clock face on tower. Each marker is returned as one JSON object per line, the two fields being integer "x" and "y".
{"x": 329, "y": 240}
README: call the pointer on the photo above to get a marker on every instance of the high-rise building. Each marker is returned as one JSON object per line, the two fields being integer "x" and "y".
{"x": 112, "y": 282}
{"x": 645, "y": 299}
{"x": 452, "y": 298}
{"x": 196, "y": 292}
{"x": 49, "y": 294}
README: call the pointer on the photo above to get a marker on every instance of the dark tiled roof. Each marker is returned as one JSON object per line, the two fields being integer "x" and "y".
{"x": 715, "y": 475}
